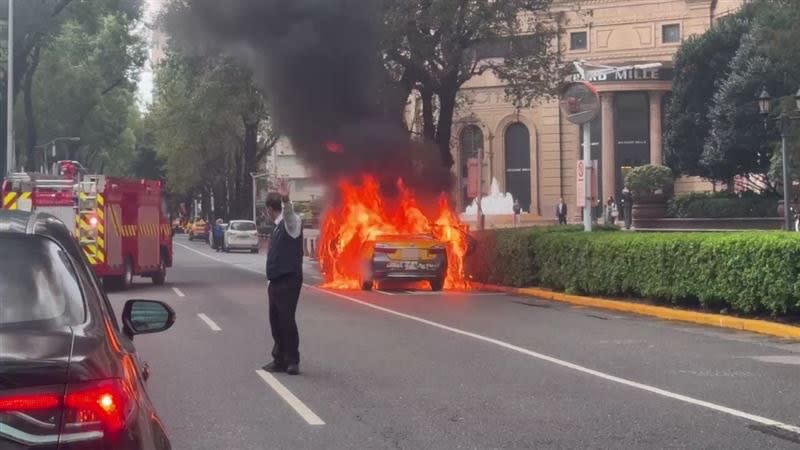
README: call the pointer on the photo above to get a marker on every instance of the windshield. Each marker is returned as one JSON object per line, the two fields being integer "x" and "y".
{"x": 243, "y": 226}
{"x": 38, "y": 286}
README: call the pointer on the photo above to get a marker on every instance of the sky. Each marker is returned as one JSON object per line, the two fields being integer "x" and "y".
{"x": 146, "y": 78}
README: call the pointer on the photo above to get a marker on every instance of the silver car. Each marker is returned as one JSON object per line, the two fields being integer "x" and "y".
{"x": 241, "y": 235}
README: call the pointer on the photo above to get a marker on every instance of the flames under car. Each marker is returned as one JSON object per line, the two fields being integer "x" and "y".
{"x": 404, "y": 258}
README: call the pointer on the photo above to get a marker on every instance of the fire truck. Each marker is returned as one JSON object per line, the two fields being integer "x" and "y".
{"x": 121, "y": 223}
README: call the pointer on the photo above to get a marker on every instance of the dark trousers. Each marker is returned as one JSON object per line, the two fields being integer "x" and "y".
{"x": 283, "y": 294}
{"x": 562, "y": 219}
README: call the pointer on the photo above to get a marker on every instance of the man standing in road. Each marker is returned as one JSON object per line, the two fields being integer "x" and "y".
{"x": 285, "y": 275}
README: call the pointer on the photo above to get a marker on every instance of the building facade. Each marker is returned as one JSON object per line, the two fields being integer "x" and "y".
{"x": 626, "y": 48}
{"x": 284, "y": 164}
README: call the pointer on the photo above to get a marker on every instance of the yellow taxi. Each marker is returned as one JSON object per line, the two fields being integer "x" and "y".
{"x": 199, "y": 229}
{"x": 404, "y": 258}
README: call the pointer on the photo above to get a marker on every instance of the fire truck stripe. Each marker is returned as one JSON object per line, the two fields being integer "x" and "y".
{"x": 25, "y": 196}
{"x": 100, "y": 200}
{"x": 9, "y": 201}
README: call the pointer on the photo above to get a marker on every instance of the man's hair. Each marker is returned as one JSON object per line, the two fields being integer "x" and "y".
{"x": 275, "y": 201}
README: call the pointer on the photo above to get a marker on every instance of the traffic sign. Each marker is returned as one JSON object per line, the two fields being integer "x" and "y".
{"x": 581, "y": 184}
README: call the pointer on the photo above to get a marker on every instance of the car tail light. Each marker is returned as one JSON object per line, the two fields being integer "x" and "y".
{"x": 81, "y": 416}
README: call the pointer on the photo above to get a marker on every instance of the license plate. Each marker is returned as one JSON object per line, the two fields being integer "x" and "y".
{"x": 409, "y": 253}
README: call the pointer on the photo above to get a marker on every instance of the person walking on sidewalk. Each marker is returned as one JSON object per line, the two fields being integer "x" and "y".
{"x": 285, "y": 275}
{"x": 627, "y": 207}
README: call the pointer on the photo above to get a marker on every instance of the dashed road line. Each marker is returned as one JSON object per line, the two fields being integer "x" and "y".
{"x": 211, "y": 324}
{"x": 178, "y": 292}
{"x": 304, "y": 411}
{"x": 641, "y": 386}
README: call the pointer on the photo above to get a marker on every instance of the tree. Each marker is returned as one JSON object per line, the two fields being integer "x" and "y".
{"x": 80, "y": 81}
{"x": 212, "y": 129}
{"x": 701, "y": 64}
{"x": 435, "y": 46}
{"x": 738, "y": 144}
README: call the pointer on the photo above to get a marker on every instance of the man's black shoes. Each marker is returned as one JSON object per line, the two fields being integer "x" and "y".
{"x": 274, "y": 367}
{"x": 293, "y": 369}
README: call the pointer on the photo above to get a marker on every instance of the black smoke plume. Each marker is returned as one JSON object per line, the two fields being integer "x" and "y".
{"x": 319, "y": 64}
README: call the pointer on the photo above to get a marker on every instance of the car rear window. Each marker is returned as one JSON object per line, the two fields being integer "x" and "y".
{"x": 38, "y": 286}
{"x": 243, "y": 226}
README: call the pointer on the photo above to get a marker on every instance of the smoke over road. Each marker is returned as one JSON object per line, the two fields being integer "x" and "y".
{"x": 319, "y": 64}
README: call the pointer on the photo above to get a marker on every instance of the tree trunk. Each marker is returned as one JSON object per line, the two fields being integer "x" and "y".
{"x": 30, "y": 116}
{"x": 250, "y": 157}
{"x": 428, "y": 125}
{"x": 444, "y": 128}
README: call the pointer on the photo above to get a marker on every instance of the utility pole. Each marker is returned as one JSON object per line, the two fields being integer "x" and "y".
{"x": 10, "y": 93}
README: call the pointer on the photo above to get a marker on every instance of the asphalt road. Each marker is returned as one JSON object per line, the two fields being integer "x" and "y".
{"x": 451, "y": 370}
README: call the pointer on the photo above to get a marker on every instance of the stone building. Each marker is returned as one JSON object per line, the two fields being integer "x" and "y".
{"x": 533, "y": 152}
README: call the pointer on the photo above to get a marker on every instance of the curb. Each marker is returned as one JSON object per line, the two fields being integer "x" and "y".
{"x": 715, "y": 320}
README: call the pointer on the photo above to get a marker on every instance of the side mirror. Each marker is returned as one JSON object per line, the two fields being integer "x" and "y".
{"x": 145, "y": 317}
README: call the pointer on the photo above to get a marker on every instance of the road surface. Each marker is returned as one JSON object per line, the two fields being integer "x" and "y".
{"x": 451, "y": 370}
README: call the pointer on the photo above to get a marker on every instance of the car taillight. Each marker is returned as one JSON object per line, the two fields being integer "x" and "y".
{"x": 82, "y": 416}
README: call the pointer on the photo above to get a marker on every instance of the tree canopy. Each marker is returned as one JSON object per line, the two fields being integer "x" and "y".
{"x": 435, "y": 46}
{"x": 211, "y": 127}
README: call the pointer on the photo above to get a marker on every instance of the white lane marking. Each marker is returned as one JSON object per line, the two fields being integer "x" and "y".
{"x": 214, "y": 258}
{"x": 178, "y": 292}
{"x": 209, "y": 322}
{"x": 384, "y": 292}
{"x": 299, "y": 407}
{"x": 644, "y": 387}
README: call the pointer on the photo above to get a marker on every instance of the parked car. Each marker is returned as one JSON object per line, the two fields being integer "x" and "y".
{"x": 69, "y": 376}
{"x": 241, "y": 235}
{"x": 404, "y": 257}
{"x": 199, "y": 229}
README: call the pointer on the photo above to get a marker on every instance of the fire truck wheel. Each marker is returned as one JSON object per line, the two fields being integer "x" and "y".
{"x": 161, "y": 276}
{"x": 126, "y": 280}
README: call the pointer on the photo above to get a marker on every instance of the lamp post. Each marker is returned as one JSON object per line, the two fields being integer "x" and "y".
{"x": 52, "y": 146}
{"x": 256, "y": 176}
{"x": 785, "y": 121}
{"x": 10, "y": 92}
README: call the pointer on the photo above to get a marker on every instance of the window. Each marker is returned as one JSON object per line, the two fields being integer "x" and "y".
{"x": 38, "y": 287}
{"x": 671, "y": 34}
{"x": 243, "y": 226}
{"x": 578, "y": 40}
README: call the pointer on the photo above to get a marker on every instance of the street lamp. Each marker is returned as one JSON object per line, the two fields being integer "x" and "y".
{"x": 255, "y": 176}
{"x": 785, "y": 120}
{"x": 52, "y": 146}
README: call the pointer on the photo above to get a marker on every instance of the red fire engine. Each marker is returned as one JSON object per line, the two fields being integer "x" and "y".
{"x": 121, "y": 223}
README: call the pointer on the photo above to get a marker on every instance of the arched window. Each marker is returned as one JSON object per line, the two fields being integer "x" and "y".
{"x": 518, "y": 163}
{"x": 470, "y": 140}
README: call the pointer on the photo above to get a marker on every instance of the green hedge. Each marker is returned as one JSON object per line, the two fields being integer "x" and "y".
{"x": 748, "y": 272}
{"x": 722, "y": 205}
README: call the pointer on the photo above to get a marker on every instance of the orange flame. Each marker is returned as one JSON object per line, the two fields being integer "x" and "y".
{"x": 363, "y": 215}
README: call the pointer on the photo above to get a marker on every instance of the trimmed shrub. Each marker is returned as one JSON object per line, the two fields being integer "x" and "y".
{"x": 748, "y": 272}
{"x": 722, "y": 205}
{"x": 649, "y": 180}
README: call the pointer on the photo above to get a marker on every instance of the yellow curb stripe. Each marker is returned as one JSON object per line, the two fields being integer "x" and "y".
{"x": 714, "y": 320}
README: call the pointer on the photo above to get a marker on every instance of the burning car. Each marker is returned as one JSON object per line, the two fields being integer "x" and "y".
{"x": 406, "y": 258}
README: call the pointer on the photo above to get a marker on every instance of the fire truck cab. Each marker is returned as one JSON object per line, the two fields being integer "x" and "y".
{"x": 121, "y": 223}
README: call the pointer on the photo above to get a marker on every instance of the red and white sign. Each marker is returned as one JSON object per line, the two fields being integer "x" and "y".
{"x": 581, "y": 184}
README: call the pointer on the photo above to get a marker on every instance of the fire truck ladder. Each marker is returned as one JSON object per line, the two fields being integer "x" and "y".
{"x": 89, "y": 223}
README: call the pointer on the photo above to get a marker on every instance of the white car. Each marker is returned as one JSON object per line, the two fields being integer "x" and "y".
{"x": 241, "y": 235}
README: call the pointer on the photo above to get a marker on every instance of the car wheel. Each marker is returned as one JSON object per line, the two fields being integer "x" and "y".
{"x": 161, "y": 276}
{"x": 366, "y": 285}
{"x": 437, "y": 284}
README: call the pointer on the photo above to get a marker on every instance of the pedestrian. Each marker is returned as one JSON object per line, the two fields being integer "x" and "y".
{"x": 612, "y": 212}
{"x": 561, "y": 212}
{"x": 285, "y": 277}
{"x": 627, "y": 207}
{"x": 517, "y": 211}
{"x": 218, "y": 235}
